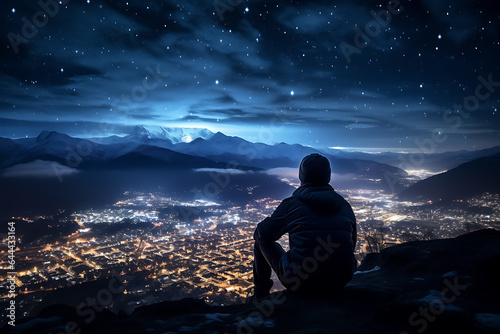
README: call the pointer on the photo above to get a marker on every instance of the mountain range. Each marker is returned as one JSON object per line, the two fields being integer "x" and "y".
{"x": 470, "y": 179}
{"x": 54, "y": 171}
{"x": 170, "y": 147}
{"x": 157, "y": 135}
{"x": 431, "y": 161}
{"x": 39, "y": 173}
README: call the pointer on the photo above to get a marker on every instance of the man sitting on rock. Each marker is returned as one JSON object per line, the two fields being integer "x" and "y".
{"x": 322, "y": 235}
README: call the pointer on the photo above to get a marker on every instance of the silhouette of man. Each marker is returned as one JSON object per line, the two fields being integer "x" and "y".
{"x": 322, "y": 235}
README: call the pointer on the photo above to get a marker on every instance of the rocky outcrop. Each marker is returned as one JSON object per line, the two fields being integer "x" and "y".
{"x": 437, "y": 286}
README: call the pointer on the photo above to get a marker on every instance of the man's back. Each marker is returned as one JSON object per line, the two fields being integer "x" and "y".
{"x": 322, "y": 233}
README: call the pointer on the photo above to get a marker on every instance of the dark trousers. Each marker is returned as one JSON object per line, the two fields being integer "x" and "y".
{"x": 267, "y": 256}
{"x": 329, "y": 279}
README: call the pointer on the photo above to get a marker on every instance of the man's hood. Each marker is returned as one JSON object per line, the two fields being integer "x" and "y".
{"x": 320, "y": 198}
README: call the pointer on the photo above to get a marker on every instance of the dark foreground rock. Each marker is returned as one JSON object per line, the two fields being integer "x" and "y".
{"x": 438, "y": 286}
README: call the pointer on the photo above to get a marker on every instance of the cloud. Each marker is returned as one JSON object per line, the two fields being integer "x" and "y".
{"x": 39, "y": 168}
{"x": 288, "y": 172}
{"x": 231, "y": 171}
{"x": 360, "y": 126}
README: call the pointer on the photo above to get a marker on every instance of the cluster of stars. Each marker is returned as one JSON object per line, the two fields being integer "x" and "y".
{"x": 259, "y": 55}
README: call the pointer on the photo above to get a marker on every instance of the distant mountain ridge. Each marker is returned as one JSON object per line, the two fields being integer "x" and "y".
{"x": 55, "y": 171}
{"x": 206, "y": 150}
{"x": 435, "y": 162}
{"x": 467, "y": 180}
{"x": 220, "y": 147}
{"x": 165, "y": 147}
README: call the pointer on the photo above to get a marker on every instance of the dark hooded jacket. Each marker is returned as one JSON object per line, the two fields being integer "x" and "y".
{"x": 322, "y": 236}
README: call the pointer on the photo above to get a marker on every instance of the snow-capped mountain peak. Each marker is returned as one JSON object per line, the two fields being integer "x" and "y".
{"x": 158, "y": 136}
{"x": 139, "y": 132}
{"x": 173, "y": 135}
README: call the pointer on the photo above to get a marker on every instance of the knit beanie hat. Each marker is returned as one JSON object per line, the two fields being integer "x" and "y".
{"x": 314, "y": 170}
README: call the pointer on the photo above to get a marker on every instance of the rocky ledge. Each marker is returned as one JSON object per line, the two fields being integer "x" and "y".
{"x": 437, "y": 286}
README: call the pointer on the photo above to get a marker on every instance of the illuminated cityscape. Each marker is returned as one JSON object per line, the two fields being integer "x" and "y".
{"x": 201, "y": 248}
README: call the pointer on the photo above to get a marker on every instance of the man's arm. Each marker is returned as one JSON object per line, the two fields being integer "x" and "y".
{"x": 273, "y": 227}
{"x": 354, "y": 234}
{"x": 354, "y": 226}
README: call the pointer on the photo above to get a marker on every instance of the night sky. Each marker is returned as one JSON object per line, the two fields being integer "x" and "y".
{"x": 267, "y": 71}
